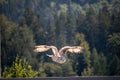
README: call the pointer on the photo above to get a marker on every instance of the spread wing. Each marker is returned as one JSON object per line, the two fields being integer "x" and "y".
{"x": 73, "y": 49}
{"x": 43, "y": 48}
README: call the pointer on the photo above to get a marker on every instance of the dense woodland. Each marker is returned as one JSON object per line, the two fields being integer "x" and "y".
{"x": 92, "y": 24}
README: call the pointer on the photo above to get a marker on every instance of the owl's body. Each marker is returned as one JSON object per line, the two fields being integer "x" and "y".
{"x": 59, "y": 60}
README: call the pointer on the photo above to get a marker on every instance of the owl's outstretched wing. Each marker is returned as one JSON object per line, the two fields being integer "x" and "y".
{"x": 72, "y": 49}
{"x": 43, "y": 48}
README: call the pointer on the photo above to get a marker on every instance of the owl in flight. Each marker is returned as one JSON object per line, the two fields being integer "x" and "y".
{"x": 58, "y": 55}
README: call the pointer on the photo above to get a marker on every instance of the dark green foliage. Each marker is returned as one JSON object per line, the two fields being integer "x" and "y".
{"x": 52, "y": 69}
{"x": 114, "y": 65}
{"x": 70, "y": 29}
{"x": 93, "y": 24}
{"x": 83, "y": 62}
{"x": 60, "y": 30}
{"x": 87, "y": 72}
{"x": 114, "y": 43}
{"x": 29, "y": 17}
{"x": 67, "y": 69}
{"x": 16, "y": 40}
{"x": 99, "y": 63}
{"x": 8, "y": 36}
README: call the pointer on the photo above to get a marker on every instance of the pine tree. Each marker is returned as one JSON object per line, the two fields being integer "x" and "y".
{"x": 16, "y": 40}
{"x": 115, "y": 17}
{"x": 104, "y": 26}
{"x": 83, "y": 64}
{"x": 29, "y": 16}
{"x": 52, "y": 69}
{"x": 67, "y": 68}
{"x": 8, "y": 36}
{"x": 90, "y": 27}
{"x": 113, "y": 43}
{"x": 95, "y": 62}
{"x": 60, "y": 30}
{"x": 99, "y": 63}
{"x": 104, "y": 64}
{"x": 19, "y": 68}
{"x": 51, "y": 33}
{"x": 114, "y": 65}
{"x": 70, "y": 29}
{"x": 87, "y": 72}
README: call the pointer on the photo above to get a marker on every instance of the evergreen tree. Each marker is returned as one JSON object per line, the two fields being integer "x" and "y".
{"x": 19, "y": 68}
{"x": 99, "y": 63}
{"x": 8, "y": 36}
{"x": 104, "y": 25}
{"x": 104, "y": 64}
{"x": 60, "y": 30}
{"x": 51, "y": 39}
{"x": 52, "y": 69}
{"x": 95, "y": 62}
{"x": 15, "y": 40}
{"x": 84, "y": 59}
{"x": 70, "y": 29}
{"x": 113, "y": 43}
{"x": 90, "y": 28}
{"x": 87, "y": 72}
{"x": 29, "y": 16}
{"x": 38, "y": 30}
{"x": 25, "y": 41}
{"x": 41, "y": 71}
{"x": 115, "y": 17}
{"x": 114, "y": 65}
{"x": 67, "y": 68}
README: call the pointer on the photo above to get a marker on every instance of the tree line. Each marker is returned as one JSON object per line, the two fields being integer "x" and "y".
{"x": 93, "y": 25}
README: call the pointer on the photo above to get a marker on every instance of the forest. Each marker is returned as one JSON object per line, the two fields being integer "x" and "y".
{"x": 92, "y": 24}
